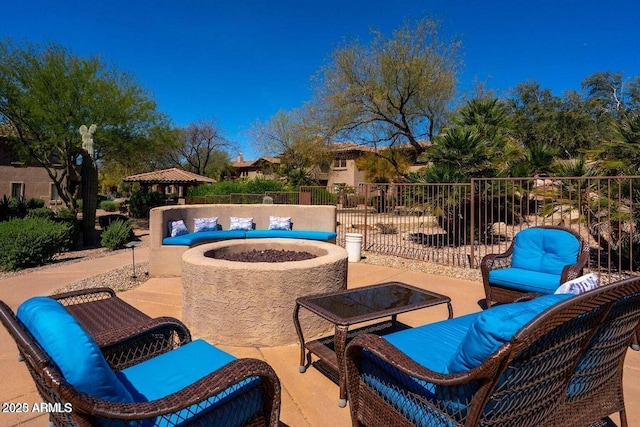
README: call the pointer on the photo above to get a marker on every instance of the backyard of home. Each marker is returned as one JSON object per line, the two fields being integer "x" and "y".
{"x": 308, "y": 399}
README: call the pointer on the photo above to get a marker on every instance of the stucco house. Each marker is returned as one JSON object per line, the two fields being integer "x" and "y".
{"x": 20, "y": 179}
{"x": 342, "y": 172}
{"x": 262, "y": 167}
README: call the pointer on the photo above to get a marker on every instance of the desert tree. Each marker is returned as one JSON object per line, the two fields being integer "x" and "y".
{"x": 294, "y": 137}
{"x": 393, "y": 92}
{"x": 47, "y": 93}
{"x": 197, "y": 148}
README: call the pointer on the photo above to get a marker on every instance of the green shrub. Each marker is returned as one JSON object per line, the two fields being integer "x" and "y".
{"x": 109, "y": 205}
{"x": 239, "y": 186}
{"x": 142, "y": 202}
{"x": 30, "y": 242}
{"x": 117, "y": 235}
{"x": 43, "y": 213}
{"x": 106, "y": 220}
{"x": 320, "y": 196}
{"x": 64, "y": 213}
{"x": 35, "y": 203}
{"x": 75, "y": 231}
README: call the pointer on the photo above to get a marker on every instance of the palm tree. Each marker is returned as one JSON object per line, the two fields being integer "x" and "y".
{"x": 462, "y": 149}
{"x": 623, "y": 149}
{"x": 539, "y": 159}
{"x": 490, "y": 118}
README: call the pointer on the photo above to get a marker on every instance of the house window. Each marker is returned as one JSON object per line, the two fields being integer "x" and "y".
{"x": 17, "y": 189}
{"x": 340, "y": 164}
{"x": 54, "y": 192}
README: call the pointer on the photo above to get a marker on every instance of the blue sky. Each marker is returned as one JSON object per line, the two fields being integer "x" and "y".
{"x": 242, "y": 61}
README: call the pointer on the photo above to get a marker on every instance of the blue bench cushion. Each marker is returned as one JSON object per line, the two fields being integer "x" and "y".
{"x": 291, "y": 234}
{"x": 191, "y": 239}
{"x": 72, "y": 349}
{"x": 495, "y": 327}
{"x": 544, "y": 250}
{"x": 525, "y": 280}
{"x": 172, "y": 371}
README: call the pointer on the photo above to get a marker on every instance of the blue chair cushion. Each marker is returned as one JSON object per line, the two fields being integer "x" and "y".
{"x": 495, "y": 327}
{"x": 292, "y": 234}
{"x": 172, "y": 371}
{"x": 191, "y": 239}
{"x": 72, "y": 349}
{"x": 388, "y": 380}
{"x": 401, "y": 390}
{"x": 544, "y": 250}
{"x": 525, "y": 280}
{"x": 447, "y": 334}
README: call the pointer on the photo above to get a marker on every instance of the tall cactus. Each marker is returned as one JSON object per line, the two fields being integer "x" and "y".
{"x": 89, "y": 186}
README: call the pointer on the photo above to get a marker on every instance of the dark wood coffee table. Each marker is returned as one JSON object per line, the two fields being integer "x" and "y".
{"x": 349, "y": 307}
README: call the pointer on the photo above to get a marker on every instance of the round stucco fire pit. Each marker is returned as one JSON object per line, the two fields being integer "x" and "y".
{"x": 251, "y": 304}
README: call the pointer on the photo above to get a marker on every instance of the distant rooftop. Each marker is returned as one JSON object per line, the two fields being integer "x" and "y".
{"x": 168, "y": 176}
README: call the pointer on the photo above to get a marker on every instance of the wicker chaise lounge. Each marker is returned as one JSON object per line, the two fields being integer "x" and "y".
{"x": 562, "y": 368}
{"x": 538, "y": 260}
{"x": 154, "y": 376}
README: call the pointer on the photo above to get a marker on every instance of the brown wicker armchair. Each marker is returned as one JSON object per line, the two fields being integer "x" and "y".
{"x": 526, "y": 252}
{"x": 112, "y": 322}
{"x": 595, "y": 389}
{"x": 241, "y": 392}
{"x": 560, "y": 363}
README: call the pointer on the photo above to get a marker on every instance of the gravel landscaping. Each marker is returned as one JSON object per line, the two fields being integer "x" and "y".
{"x": 121, "y": 279}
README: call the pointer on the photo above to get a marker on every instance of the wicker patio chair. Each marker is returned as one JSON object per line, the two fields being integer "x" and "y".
{"x": 110, "y": 320}
{"x": 595, "y": 390}
{"x": 242, "y": 392}
{"x": 524, "y": 383}
{"x": 538, "y": 260}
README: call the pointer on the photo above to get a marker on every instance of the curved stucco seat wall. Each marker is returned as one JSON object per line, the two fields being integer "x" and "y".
{"x": 251, "y": 304}
{"x": 165, "y": 260}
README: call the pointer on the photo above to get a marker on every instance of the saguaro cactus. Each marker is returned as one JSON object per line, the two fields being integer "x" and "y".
{"x": 89, "y": 174}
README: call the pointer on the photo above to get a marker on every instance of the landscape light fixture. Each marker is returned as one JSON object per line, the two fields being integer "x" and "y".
{"x": 133, "y": 245}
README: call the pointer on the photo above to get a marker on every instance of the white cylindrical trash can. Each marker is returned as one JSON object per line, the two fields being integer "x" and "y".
{"x": 353, "y": 245}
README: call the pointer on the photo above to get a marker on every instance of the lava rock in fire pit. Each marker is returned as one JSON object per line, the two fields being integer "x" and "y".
{"x": 266, "y": 255}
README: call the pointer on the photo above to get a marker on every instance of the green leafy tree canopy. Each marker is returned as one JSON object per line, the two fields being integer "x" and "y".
{"x": 47, "y": 93}
{"x": 393, "y": 92}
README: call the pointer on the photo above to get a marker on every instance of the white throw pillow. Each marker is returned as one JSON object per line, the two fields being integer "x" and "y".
{"x": 579, "y": 285}
{"x": 238, "y": 223}
{"x": 205, "y": 224}
{"x": 177, "y": 228}
{"x": 279, "y": 223}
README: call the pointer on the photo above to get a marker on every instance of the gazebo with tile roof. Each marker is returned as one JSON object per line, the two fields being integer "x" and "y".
{"x": 161, "y": 179}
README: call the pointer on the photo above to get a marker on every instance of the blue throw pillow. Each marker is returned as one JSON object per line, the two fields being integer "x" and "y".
{"x": 279, "y": 223}
{"x": 237, "y": 223}
{"x": 177, "y": 228}
{"x": 205, "y": 224}
{"x": 72, "y": 349}
{"x": 579, "y": 285}
{"x": 495, "y": 327}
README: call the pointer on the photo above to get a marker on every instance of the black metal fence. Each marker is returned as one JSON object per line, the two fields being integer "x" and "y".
{"x": 457, "y": 224}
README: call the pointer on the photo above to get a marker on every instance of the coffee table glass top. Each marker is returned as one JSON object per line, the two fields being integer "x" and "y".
{"x": 366, "y": 301}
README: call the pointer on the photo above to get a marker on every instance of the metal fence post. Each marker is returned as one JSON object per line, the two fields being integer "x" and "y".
{"x": 473, "y": 226}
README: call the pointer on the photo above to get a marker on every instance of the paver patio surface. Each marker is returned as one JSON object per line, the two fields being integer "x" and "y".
{"x": 308, "y": 399}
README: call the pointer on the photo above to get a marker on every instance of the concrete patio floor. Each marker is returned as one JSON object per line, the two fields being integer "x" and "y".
{"x": 308, "y": 399}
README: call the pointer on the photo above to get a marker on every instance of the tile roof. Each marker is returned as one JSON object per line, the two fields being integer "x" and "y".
{"x": 250, "y": 163}
{"x": 348, "y": 146}
{"x": 168, "y": 176}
